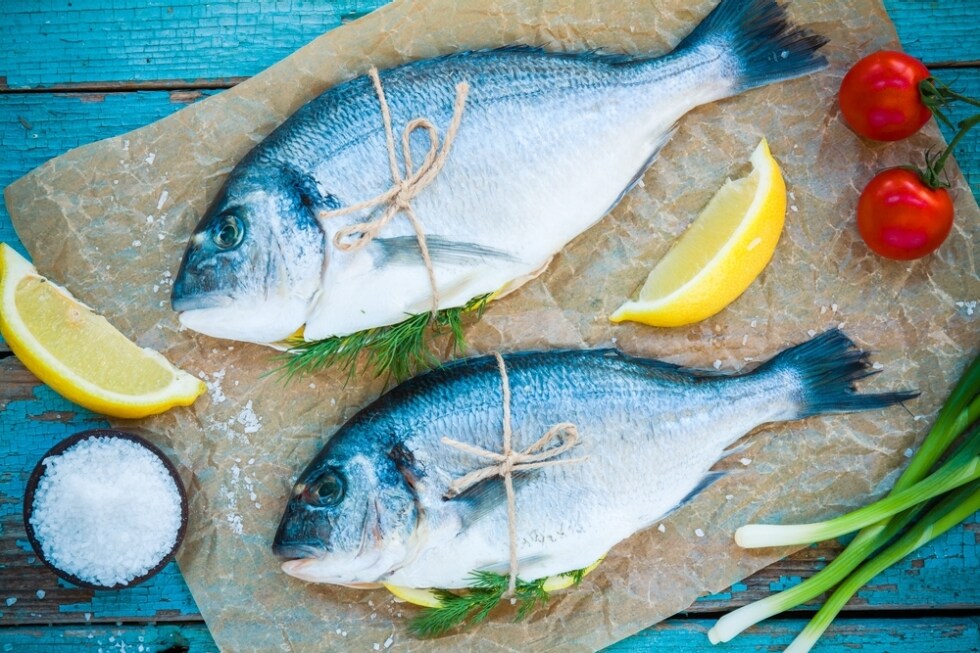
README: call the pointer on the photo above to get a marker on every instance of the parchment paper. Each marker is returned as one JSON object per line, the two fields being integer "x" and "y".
{"x": 110, "y": 221}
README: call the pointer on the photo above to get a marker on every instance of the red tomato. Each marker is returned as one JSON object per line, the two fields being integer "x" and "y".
{"x": 900, "y": 217}
{"x": 880, "y": 98}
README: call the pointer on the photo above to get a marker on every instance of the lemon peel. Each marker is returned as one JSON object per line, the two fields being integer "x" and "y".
{"x": 719, "y": 256}
{"x": 78, "y": 353}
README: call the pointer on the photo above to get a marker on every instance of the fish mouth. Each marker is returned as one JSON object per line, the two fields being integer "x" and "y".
{"x": 299, "y": 551}
{"x": 200, "y": 301}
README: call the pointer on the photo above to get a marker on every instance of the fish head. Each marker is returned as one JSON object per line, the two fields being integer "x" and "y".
{"x": 253, "y": 265}
{"x": 348, "y": 520}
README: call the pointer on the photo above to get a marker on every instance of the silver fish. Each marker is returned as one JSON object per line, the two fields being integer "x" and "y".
{"x": 548, "y": 144}
{"x": 370, "y": 507}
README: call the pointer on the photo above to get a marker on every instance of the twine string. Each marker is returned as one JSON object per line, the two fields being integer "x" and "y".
{"x": 404, "y": 187}
{"x": 557, "y": 440}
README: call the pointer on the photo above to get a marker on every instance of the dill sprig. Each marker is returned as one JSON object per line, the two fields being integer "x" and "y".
{"x": 472, "y": 606}
{"x": 397, "y": 350}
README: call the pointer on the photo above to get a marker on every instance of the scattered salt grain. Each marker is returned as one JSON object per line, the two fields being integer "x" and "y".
{"x": 163, "y": 199}
{"x": 716, "y": 364}
{"x": 745, "y": 461}
{"x": 754, "y": 323}
{"x": 11, "y": 601}
{"x": 40, "y": 594}
{"x": 137, "y": 243}
{"x": 662, "y": 528}
{"x": 833, "y": 307}
{"x": 699, "y": 532}
{"x": 377, "y": 647}
{"x": 729, "y": 497}
{"x": 794, "y": 208}
{"x": 877, "y": 366}
{"x": 389, "y": 642}
{"x": 811, "y": 333}
{"x": 106, "y": 510}
{"x": 150, "y": 158}
{"x": 908, "y": 453}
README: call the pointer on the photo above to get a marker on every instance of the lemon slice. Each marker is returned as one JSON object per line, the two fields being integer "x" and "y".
{"x": 428, "y": 599}
{"x": 78, "y": 353}
{"x": 720, "y": 254}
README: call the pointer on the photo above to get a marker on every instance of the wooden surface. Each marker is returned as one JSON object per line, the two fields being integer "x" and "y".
{"x": 75, "y": 71}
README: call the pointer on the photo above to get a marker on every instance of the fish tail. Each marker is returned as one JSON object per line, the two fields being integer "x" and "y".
{"x": 825, "y": 369}
{"x": 758, "y": 43}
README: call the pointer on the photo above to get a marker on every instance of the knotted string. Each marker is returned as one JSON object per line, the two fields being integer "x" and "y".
{"x": 405, "y": 187}
{"x": 508, "y": 461}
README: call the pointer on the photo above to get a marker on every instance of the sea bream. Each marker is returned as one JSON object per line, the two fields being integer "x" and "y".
{"x": 547, "y": 145}
{"x": 372, "y": 506}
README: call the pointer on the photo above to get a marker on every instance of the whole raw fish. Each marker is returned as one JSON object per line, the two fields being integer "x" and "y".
{"x": 547, "y": 145}
{"x": 371, "y": 505}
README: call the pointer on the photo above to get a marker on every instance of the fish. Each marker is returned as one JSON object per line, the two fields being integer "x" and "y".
{"x": 373, "y": 506}
{"x": 548, "y": 144}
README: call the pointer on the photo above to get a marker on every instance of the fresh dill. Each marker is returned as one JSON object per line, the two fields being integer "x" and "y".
{"x": 472, "y": 606}
{"x": 397, "y": 350}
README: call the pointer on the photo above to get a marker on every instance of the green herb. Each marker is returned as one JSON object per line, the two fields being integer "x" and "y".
{"x": 472, "y": 606}
{"x": 397, "y": 350}
{"x": 962, "y": 408}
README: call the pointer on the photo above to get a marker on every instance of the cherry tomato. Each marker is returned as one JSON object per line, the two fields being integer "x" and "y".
{"x": 879, "y": 96}
{"x": 900, "y": 217}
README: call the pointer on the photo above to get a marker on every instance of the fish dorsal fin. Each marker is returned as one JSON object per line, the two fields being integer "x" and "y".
{"x": 404, "y": 250}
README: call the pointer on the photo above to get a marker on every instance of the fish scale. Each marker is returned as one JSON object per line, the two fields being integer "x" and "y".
{"x": 650, "y": 431}
{"x": 548, "y": 144}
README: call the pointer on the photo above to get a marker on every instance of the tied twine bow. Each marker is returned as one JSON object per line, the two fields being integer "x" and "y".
{"x": 508, "y": 461}
{"x": 405, "y": 187}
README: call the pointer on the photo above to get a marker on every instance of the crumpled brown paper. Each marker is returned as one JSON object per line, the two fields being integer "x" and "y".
{"x": 110, "y": 221}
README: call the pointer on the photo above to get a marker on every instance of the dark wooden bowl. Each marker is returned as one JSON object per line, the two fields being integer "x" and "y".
{"x": 62, "y": 447}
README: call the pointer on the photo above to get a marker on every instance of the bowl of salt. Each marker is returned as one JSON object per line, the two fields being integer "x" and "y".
{"x": 105, "y": 509}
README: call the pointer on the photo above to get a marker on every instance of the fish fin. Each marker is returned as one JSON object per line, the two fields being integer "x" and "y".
{"x": 658, "y": 145}
{"x": 761, "y": 42}
{"x": 503, "y": 567}
{"x": 404, "y": 250}
{"x": 709, "y": 479}
{"x": 484, "y": 497}
{"x": 825, "y": 369}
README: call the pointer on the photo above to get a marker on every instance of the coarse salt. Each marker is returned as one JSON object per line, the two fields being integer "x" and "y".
{"x": 106, "y": 510}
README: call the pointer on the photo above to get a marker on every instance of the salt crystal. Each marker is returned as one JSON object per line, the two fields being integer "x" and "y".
{"x": 716, "y": 364}
{"x": 745, "y": 461}
{"x": 149, "y": 219}
{"x": 908, "y": 453}
{"x": 877, "y": 366}
{"x": 40, "y": 594}
{"x": 106, "y": 510}
{"x": 160, "y": 236}
{"x": 833, "y": 307}
{"x": 823, "y": 309}
{"x": 163, "y": 199}
{"x": 754, "y": 323}
{"x": 137, "y": 243}
{"x": 377, "y": 647}
{"x": 811, "y": 333}
{"x": 794, "y": 208}
{"x": 699, "y": 532}
{"x": 151, "y": 157}
{"x": 11, "y": 601}
{"x": 662, "y": 528}
{"x": 389, "y": 641}
{"x": 729, "y": 497}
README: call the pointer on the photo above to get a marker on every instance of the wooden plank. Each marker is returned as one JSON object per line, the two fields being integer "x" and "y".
{"x": 57, "y": 41}
{"x": 189, "y": 638}
{"x": 176, "y": 42}
{"x": 925, "y": 635}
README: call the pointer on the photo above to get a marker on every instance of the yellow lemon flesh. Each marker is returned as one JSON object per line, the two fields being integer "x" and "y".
{"x": 720, "y": 254}
{"x": 78, "y": 353}
{"x": 428, "y": 599}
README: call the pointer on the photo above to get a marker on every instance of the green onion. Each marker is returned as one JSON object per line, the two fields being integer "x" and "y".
{"x": 952, "y": 510}
{"x": 959, "y": 470}
{"x": 962, "y": 408}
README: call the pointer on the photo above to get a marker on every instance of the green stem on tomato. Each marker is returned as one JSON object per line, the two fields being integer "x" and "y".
{"x": 952, "y": 510}
{"x": 934, "y": 168}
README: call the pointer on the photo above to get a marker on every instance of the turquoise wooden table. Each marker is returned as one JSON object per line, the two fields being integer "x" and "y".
{"x": 75, "y": 71}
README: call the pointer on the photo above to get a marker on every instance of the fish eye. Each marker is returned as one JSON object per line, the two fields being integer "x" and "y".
{"x": 326, "y": 491}
{"x": 229, "y": 232}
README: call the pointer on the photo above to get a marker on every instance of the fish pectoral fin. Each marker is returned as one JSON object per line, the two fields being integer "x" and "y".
{"x": 484, "y": 497}
{"x": 404, "y": 250}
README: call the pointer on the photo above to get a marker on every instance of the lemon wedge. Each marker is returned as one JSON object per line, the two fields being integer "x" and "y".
{"x": 78, "y": 353}
{"x": 427, "y": 598}
{"x": 721, "y": 253}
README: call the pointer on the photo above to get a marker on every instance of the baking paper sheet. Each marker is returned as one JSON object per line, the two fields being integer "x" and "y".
{"x": 110, "y": 221}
